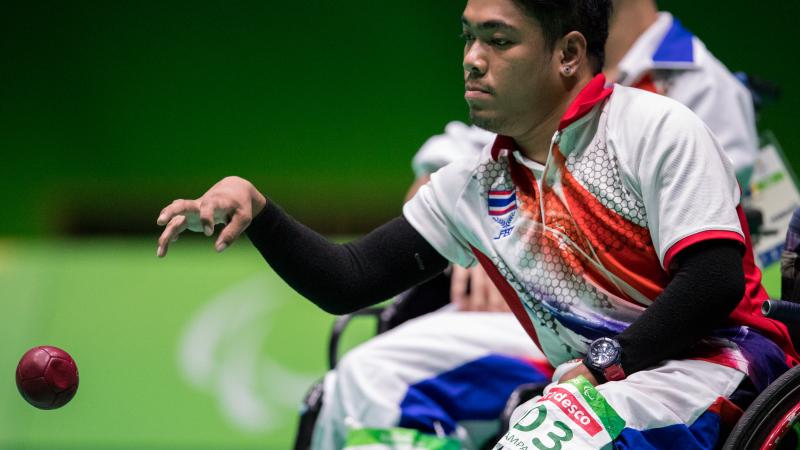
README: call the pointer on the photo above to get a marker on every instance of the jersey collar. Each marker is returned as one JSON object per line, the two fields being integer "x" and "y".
{"x": 665, "y": 45}
{"x": 593, "y": 93}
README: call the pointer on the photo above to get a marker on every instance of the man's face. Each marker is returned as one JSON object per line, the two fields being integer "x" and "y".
{"x": 511, "y": 77}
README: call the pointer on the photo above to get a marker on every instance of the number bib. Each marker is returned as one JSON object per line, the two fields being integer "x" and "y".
{"x": 571, "y": 415}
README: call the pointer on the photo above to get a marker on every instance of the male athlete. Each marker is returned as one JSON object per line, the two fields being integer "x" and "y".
{"x": 645, "y": 49}
{"x": 618, "y": 246}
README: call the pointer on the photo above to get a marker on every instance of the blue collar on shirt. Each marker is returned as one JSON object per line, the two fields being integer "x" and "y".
{"x": 676, "y": 47}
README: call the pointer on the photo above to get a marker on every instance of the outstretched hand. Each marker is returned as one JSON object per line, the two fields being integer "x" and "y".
{"x": 233, "y": 201}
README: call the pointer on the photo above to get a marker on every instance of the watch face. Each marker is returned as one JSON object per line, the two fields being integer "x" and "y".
{"x": 604, "y": 352}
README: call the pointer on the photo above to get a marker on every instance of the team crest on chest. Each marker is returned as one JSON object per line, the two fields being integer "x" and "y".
{"x": 502, "y": 210}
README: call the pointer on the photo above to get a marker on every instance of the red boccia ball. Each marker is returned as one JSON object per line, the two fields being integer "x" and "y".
{"x": 47, "y": 377}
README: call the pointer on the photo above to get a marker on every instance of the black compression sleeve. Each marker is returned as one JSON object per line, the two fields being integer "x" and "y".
{"x": 705, "y": 289}
{"x": 341, "y": 278}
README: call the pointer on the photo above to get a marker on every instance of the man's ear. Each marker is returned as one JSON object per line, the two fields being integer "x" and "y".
{"x": 571, "y": 53}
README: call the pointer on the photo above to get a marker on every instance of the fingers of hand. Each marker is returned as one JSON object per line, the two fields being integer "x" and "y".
{"x": 238, "y": 223}
{"x": 170, "y": 234}
{"x": 175, "y": 208}
{"x": 207, "y": 209}
{"x": 225, "y": 199}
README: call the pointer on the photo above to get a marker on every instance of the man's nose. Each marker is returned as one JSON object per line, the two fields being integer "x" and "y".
{"x": 474, "y": 61}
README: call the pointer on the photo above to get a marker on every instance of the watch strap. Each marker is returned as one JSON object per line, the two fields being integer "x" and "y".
{"x": 614, "y": 372}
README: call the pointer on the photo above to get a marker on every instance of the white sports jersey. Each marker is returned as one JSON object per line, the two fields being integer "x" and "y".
{"x": 458, "y": 141}
{"x": 671, "y": 61}
{"x": 581, "y": 246}
{"x": 666, "y": 59}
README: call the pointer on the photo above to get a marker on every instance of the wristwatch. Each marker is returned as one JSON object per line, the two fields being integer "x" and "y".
{"x": 605, "y": 358}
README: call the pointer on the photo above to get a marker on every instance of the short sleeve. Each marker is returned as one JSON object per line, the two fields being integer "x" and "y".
{"x": 725, "y": 105}
{"x": 686, "y": 182}
{"x": 432, "y": 212}
{"x": 459, "y": 141}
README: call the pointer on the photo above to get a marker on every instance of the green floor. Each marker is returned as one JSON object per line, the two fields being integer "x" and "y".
{"x": 196, "y": 351}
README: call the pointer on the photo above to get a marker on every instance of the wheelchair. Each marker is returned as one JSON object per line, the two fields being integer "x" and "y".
{"x": 772, "y": 421}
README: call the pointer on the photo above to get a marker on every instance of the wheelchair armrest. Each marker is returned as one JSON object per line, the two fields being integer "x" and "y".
{"x": 783, "y": 311}
{"x": 309, "y": 411}
{"x": 415, "y": 302}
{"x": 419, "y": 300}
{"x": 788, "y": 313}
{"x": 339, "y": 326}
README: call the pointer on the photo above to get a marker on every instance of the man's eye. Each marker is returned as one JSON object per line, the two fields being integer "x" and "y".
{"x": 499, "y": 42}
{"x": 467, "y": 37}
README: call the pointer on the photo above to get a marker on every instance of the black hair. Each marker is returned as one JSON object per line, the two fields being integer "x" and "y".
{"x": 559, "y": 17}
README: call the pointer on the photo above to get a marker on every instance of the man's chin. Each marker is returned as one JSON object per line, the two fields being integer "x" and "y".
{"x": 482, "y": 120}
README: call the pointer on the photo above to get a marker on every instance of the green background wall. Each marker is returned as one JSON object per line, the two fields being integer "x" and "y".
{"x": 108, "y": 110}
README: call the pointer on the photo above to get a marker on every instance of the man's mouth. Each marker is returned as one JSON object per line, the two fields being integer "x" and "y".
{"x": 474, "y": 87}
{"x": 476, "y": 91}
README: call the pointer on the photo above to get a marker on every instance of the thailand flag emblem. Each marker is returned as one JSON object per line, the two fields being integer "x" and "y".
{"x": 502, "y": 202}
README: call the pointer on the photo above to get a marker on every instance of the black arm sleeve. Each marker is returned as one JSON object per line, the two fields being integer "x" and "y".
{"x": 342, "y": 278}
{"x": 705, "y": 289}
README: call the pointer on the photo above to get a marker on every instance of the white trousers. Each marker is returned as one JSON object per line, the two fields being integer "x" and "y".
{"x": 372, "y": 382}
{"x": 677, "y": 405}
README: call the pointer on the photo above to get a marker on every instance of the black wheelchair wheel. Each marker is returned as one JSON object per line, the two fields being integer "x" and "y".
{"x": 772, "y": 419}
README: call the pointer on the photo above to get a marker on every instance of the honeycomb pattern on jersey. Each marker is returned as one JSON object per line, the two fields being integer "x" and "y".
{"x": 553, "y": 271}
{"x": 548, "y": 268}
{"x": 607, "y": 232}
{"x": 494, "y": 175}
{"x": 597, "y": 170}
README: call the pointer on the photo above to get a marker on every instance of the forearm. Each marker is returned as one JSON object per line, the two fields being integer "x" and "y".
{"x": 342, "y": 278}
{"x": 706, "y": 288}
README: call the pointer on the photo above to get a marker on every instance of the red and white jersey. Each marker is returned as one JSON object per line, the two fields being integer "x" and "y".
{"x": 582, "y": 245}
